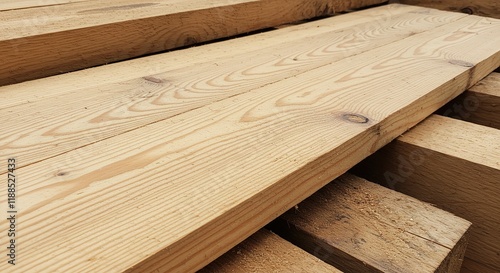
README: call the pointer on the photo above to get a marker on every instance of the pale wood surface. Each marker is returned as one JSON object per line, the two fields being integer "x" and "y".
{"x": 490, "y": 8}
{"x": 455, "y": 165}
{"x": 44, "y": 41}
{"x": 88, "y": 80}
{"x": 65, "y": 118}
{"x": 192, "y": 186}
{"x": 488, "y": 86}
{"x": 24, "y": 4}
{"x": 359, "y": 226}
{"x": 266, "y": 252}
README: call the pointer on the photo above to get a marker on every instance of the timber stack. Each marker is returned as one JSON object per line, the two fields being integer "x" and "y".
{"x": 250, "y": 136}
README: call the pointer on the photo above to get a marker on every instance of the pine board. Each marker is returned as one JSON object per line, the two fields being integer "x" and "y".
{"x": 455, "y": 165}
{"x": 89, "y": 79}
{"x": 24, "y": 4}
{"x": 266, "y": 252}
{"x": 359, "y": 226}
{"x": 50, "y": 40}
{"x": 68, "y": 118}
{"x": 192, "y": 186}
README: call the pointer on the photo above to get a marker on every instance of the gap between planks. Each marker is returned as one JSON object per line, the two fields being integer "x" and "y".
{"x": 480, "y": 104}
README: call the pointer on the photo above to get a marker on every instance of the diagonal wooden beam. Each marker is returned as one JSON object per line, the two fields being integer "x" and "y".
{"x": 50, "y": 40}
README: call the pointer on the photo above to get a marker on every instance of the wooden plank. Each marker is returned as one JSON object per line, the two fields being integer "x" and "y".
{"x": 490, "y": 8}
{"x": 455, "y": 165}
{"x": 359, "y": 226}
{"x": 23, "y": 4}
{"x": 480, "y": 104}
{"x": 86, "y": 115}
{"x": 90, "y": 79}
{"x": 266, "y": 252}
{"x": 193, "y": 186}
{"x": 48, "y": 40}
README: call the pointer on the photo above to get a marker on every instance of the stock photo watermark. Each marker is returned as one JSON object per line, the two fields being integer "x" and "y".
{"x": 11, "y": 211}
{"x": 462, "y": 109}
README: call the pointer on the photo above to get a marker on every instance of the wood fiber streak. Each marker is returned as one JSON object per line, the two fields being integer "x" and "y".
{"x": 24, "y": 4}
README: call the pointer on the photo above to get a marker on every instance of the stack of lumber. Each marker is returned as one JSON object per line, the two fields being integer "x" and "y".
{"x": 166, "y": 162}
{"x": 455, "y": 164}
{"x": 355, "y": 226}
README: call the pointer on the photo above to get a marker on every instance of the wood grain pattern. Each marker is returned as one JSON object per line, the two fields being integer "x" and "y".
{"x": 455, "y": 165}
{"x": 24, "y": 4}
{"x": 490, "y": 8}
{"x": 89, "y": 79}
{"x": 51, "y": 40}
{"x": 480, "y": 104}
{"x": 266, "y": 252}
{"x": 71, "y": 117}
{"x": 176, "y": 194}
{"x": 359, "y": 226}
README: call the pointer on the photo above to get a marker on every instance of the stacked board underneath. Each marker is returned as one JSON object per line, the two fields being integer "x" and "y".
{"x": 354, "y": 225}
{"x": 453, "y": 161}
{"x": 167, "y": 170}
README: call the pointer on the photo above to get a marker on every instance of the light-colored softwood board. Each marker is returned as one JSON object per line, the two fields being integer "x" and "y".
{"x": 359, "y": 226}
{"x": 66, "y": 118}
{"x": 480, "y": 104}
{"x": 192, "y": 186}
{"x": 455, "y": 165}
{"x": 89, "y": 79}
{"x": 490, "y": 8}
{"x": 25, "y": 4}
{"x": 266, "y": 252}
{"x": 44, "y": 41}
{"x": 488, "y": 86}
